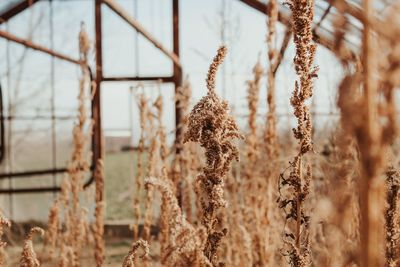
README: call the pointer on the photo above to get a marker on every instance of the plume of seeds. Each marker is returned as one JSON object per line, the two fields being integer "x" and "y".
{"x": 79, "y": 165}
{"x": 159, "y": 105}
{"x": 3, "y": 223}
{"x": 53, "y": 228}
{"x": 185, "y": 243}
{"x": 84, "y": 43}
{"x": 181, "y": 165}
{"x": 164, "y": 231}
{"x": 298, "y": 183}
{"x": 151, "y": 171}
{"x": 270, "y": 130}
{"x": 66, "y": 256}
{"x": 98, "y": 228}
{"x": 212, "y": 127}
{"x": 271, "y": 168}
{"x": 254, "y": 185}
{"x": 76, "y": 231}
{"x": 142, "y": 103}
{"x": 28, "y": 256}
{"x": 129, "y": 260}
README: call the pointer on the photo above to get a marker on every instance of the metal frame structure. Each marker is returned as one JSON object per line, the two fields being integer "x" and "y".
{"x": 98, "y": 78}
{"x": 176, "y": 78}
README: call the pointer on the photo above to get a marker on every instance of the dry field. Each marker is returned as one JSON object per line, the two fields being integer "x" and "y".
{"x": 223, "y": 196}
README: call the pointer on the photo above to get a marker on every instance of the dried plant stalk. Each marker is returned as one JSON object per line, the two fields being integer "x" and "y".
{"x": 98, "y": 229}
{"x": 129, "y": 260}
{"x": 366, "y": 101}
{"x": 151, "y": 171}
{"x": 164, "y": 229}
{"x": 181, "y": 166}
{"x": 298, "y": 182}
{"x": 66, "y": 256}
{"x": 392, "y": 217}
{"x": 79, "y": 165}
{"x": 76, "y": 231}
{"x": 3, "y": 223}
{"x": 271, "y": 143}
{"x": 53, "y": 228}
{"x": 28, "y": 256}
{"x": 253, "y": 184}
{"x": 212, "y": 127}
{"x": 185, "y": 243}
{"x": 142, "y": 103}
{"x": 270, "y": 137}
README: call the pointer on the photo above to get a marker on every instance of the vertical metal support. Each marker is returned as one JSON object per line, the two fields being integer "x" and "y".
{"x": 177, "y": 74}
{"x": 52, "y": 99}
{"x": 177, "y": 78}
{"x": 96, "y": 107}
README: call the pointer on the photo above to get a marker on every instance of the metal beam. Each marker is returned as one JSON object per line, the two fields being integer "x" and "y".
{"x": 135, "y": 24}
{"x": 177, "y": 69}
{"x": 16, "y": 9}
{"x": 285, "y": 43}
{"x": 13, "y": 38}
{"x": 97, "y": 140}
{"x": 286, "y": 20}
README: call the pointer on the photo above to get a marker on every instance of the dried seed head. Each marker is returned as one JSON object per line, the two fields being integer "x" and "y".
{"x": 212, "y": 127}
{"x": 129, "y": 260}
{"x": 29, "y": 257}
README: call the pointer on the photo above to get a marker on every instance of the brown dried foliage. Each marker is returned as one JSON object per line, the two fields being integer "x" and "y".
{"x": 129, "y": 260}
{"x": 297, "y": 184}
{"x": 210, "y": 125}
{"x": 28, "y": 256}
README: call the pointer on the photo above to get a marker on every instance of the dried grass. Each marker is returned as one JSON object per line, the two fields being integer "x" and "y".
{"x": 335, "y": 204}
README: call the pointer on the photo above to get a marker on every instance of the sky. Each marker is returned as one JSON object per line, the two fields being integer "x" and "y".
{"x": 200, "y": 24}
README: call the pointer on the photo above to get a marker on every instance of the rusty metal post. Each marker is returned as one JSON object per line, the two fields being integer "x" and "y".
{"x": 27, "y": 43}
{"x": 96, "y": 107}
{"x": 16, "y": 9}
{"x": 177, "y": 79}
{"x": 140, "y": 29}
{"x": 177, "y": 74}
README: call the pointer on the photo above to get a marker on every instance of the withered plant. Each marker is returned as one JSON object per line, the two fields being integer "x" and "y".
{"x": 392, "y": 217}
{"x": 297, "y": 184}
{"x": 210, "y": 125}
{"x": 28, "y": 256}
{"x": 3, "y": 223}
{"x": 185, "y": 243}
{"x": 98, "y": 228}
{"x": 129, "y": 260}
{"x": 137, "y": 211}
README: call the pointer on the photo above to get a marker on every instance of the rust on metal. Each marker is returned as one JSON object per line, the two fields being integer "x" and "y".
{"x": 27, "y": 43}
{"x": 16, "y": 9}
{"x": 97, "y": 142}
{"x": 135, "y": 24}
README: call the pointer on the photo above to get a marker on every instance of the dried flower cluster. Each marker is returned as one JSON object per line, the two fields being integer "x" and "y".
{"x": 129, "y": 260}
{"x": 185, "y": 243}
{"x": 298, "y": 181}
{"x": 392, "y": 217}
{"x": 98, "y": 229}
{"x": 3, "y": 223}
{"x": 29, "y": 257}
{"x": 67, "y": 209}
{"x": 139, "y": 173}
{"x": 210, "y": 125}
